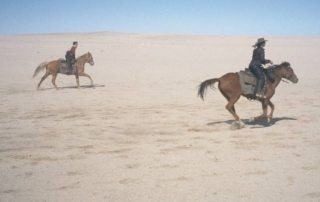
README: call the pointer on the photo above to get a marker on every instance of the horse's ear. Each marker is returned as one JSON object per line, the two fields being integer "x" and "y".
{"x": 285, "y": 63}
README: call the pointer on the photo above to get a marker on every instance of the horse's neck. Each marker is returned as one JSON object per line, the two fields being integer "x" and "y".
{"x": 277, "y": 75}
{"x": 81, "y": 60}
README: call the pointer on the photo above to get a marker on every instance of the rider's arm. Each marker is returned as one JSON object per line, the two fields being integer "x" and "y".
{"x": 262, "y": 57}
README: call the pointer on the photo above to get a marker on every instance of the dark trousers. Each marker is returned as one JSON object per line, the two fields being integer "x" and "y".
{"x": 258, "y": 72}
{"x": 70, "y": 62}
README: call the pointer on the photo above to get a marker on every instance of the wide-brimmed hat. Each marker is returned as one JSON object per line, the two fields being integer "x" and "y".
{"x": 259, "y": 41}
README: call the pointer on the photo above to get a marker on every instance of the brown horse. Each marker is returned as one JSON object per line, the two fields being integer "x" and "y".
{"x": 229, "y": 86}
{"x": 54, "y": 67}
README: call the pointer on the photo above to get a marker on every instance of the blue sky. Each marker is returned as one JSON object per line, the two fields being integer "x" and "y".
{"x": 223, "y": 17}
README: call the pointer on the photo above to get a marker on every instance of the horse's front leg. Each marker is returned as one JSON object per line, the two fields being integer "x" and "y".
{"x": 88, "y": 76}
{"x": 77, "y": 79}
{"x": 264, "y": 114}
{"x": 270, "y": 116}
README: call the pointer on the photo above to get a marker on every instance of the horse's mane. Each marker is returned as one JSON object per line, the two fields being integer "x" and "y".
{"x": 283, "y": 64}
{"x": 88, "y": 53}
{"x": 81, "y": 56}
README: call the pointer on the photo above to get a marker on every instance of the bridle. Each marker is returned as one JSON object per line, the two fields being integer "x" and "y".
{"x": 281, "y": 78}
{"x": 291, "y": 72}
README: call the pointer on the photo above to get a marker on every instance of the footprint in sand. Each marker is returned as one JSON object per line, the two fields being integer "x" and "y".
{"x": 70, "y": 186}
{"x": 73, "y": 173}
{"x": 169, "y": 166}
{"x": 177, "y": 149}
{"x": 133, "y": 166}
{"x": 10, "y": 191}
{"x": 258, "y": 172}
{"x": 290, "y": 180}
{"x": 127, "y": 181}
{"x": 310, "y": 167}
{"x": 178, "y": 179}
{"x": 313, "y": 195}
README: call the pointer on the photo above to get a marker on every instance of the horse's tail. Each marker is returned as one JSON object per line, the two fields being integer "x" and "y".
{"x": 203, "y": 86}
{"x": 40, "y": 68}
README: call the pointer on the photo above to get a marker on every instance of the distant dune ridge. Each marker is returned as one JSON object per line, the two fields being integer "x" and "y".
{"x": 142, "y": 134}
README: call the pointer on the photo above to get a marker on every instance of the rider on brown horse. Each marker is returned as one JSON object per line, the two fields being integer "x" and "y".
{"x": 71, "y": 55}
{"x": 255, "y": 66}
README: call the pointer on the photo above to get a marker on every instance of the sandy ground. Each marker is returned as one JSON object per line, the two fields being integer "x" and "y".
{"x": 142, "y": 134}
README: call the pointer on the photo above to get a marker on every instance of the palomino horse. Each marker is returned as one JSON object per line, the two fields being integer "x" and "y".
{"x": 54, "y": 66}
{"x": 229, "y": 86}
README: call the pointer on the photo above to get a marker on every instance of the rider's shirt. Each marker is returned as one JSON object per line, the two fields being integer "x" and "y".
{"x": 258, "y": 57}
{"x": 73, "y": 51}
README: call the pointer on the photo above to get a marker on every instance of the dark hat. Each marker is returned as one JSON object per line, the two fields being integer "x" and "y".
{"x": 259, "y": 41}
{"x": 75, "y": 42}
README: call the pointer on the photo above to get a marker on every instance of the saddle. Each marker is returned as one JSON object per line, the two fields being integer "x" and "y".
{"x": 248, "y": 80}
{"x": 64, "y": 67}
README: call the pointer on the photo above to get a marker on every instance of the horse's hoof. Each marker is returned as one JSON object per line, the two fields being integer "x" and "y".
{"x": 237, "y": 125}
{"x": 252, "y": 119}
{"x": 241, "y": 124}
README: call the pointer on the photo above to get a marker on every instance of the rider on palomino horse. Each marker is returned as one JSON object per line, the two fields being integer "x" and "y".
{"x": 255, "y": 66}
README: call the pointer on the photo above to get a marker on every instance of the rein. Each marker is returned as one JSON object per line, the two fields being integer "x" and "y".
{"x": 272, "y": 68}
{"x": 285, "y": 81}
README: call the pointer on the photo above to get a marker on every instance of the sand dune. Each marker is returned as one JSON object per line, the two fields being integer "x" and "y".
{"x": 142, "y": 134}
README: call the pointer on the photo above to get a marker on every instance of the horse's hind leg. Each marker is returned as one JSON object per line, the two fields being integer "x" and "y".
{"x": 54, "y": 76}
{"x": 230, "y": 107}
{"x": 42, "y": 79}
{"x": 87, "y": 75}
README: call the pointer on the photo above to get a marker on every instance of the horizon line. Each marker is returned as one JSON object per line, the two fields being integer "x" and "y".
{"x": 156, "y": 34}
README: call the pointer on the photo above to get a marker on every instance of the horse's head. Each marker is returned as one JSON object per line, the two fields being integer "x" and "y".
{"x": 89, "y": 58}
{"x": 288, "y": 73}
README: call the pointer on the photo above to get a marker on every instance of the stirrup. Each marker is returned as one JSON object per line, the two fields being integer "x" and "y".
{"x": 260, "y": 95}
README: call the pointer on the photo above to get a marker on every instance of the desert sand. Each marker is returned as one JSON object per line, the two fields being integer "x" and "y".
{"x": 142, "y": 134}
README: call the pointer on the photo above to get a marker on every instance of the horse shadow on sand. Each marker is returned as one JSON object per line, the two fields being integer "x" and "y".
{"x": 75, "y": 87}
{"x": 260, "y": 123}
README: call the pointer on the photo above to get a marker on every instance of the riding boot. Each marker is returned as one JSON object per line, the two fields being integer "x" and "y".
{"x": 258, "y": 72}
{"x": 70, "y": 67}
{"x": 72, "y": 62}
{"x": 259, "y": 88}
